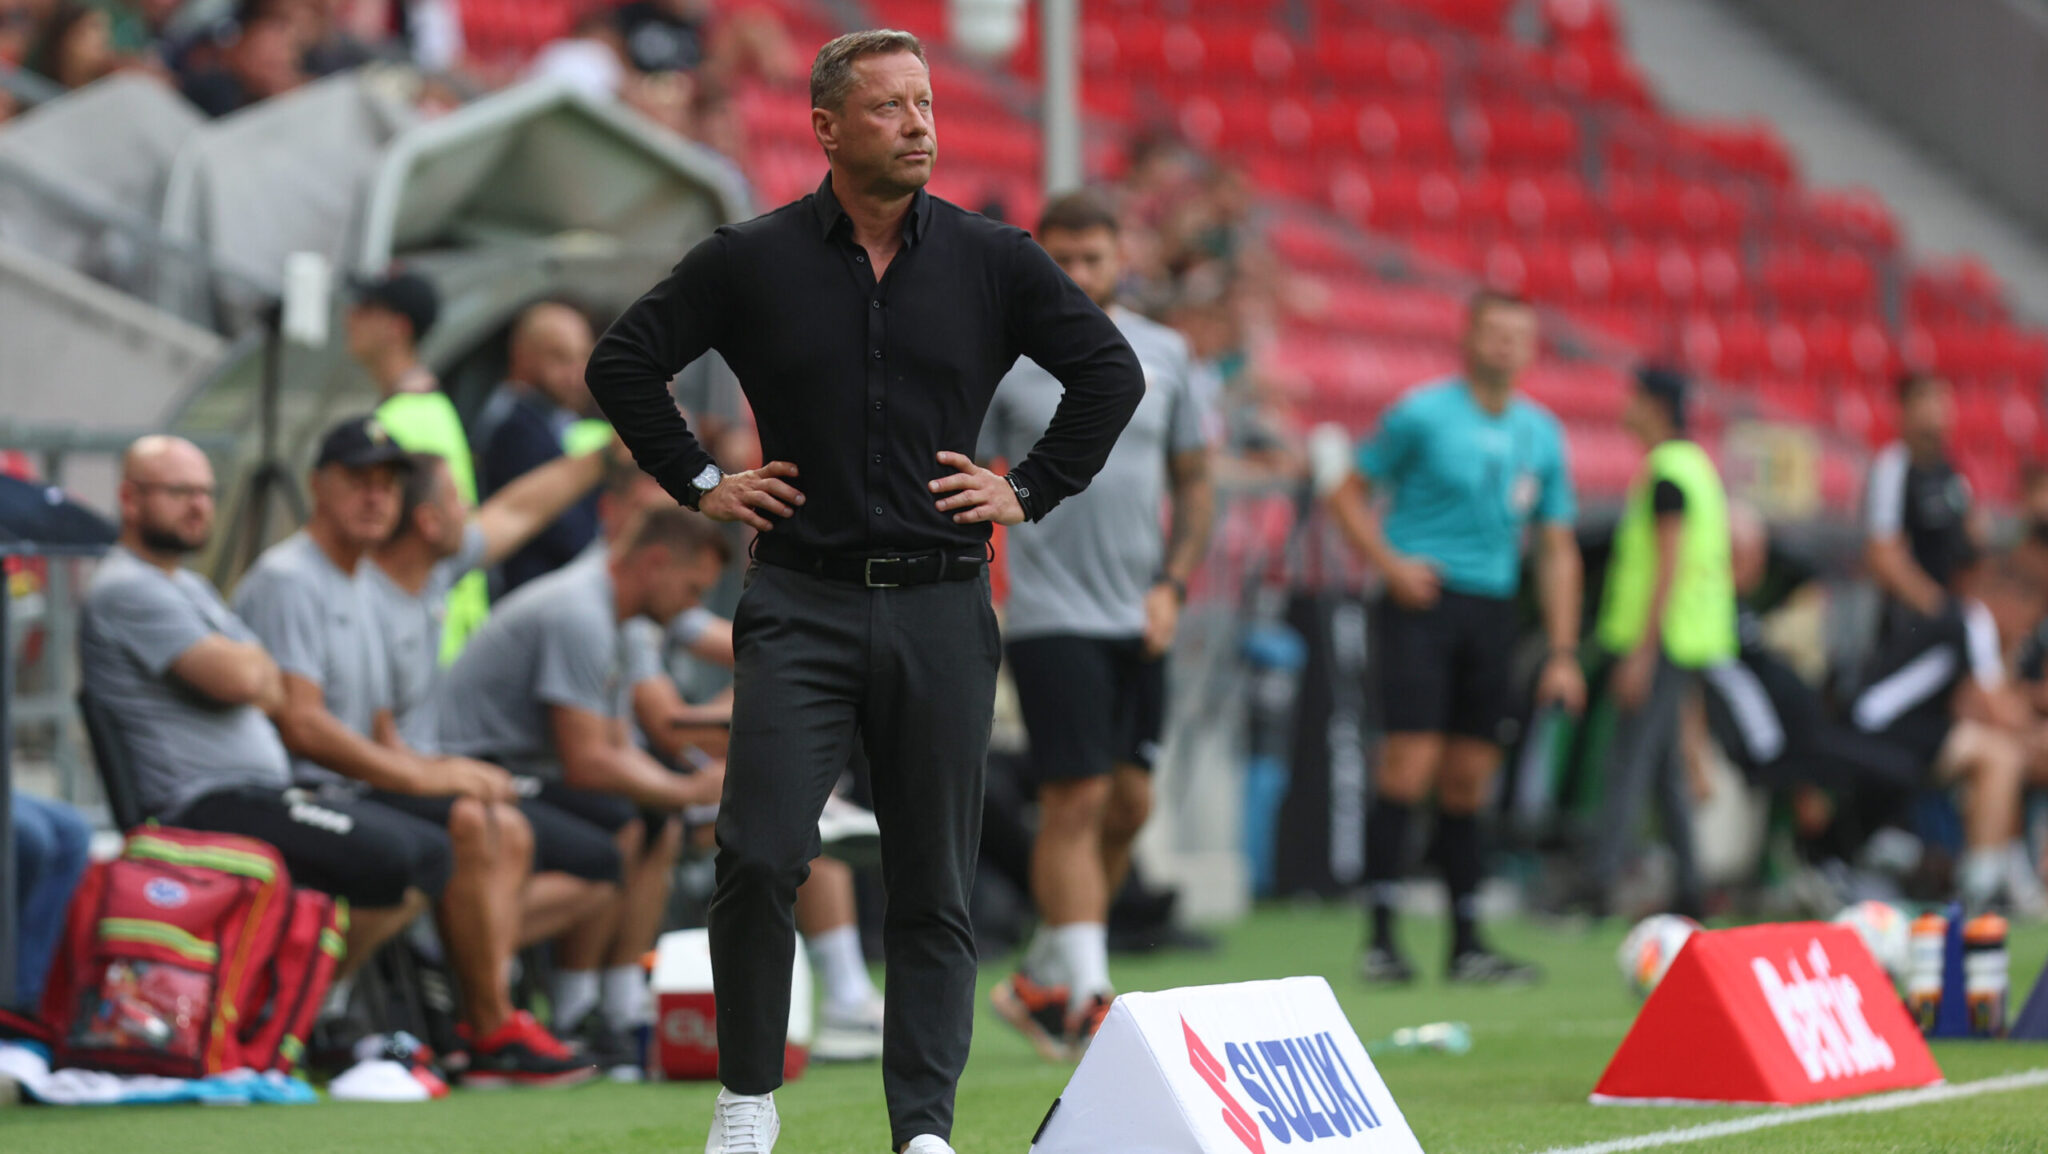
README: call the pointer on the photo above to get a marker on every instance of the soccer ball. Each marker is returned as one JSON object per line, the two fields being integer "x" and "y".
{"x": 1885, "y": 932}
{"x": 1648, "y": 950}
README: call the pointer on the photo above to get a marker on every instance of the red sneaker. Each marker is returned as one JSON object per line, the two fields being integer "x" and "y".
{"x": 1037, "y": 1012}
{"x": 522, "y": 1053}
{"x": 1081, "y": 1027}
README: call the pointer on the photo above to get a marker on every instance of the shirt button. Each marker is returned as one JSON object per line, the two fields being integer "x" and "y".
{"x": 878, "y": 406}
{"x": 877, "y": 304}
{"x": 878, "y": 510}
{"x": 878, "y": 458}
{"x": 860, "y": 258}
{"x": 878, "y": 354}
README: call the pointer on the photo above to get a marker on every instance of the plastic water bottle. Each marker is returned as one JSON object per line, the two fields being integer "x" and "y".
{"x": 1438, "y": 1037}
{"x": 1923, "y": 969}
{"x": 1985, "y": 974}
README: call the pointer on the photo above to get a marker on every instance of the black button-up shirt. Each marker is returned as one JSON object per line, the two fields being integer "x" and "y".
{"x": 861, "y": 384}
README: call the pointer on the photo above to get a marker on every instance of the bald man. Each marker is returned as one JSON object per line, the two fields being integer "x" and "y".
{"x": 192, "y": 688}
{"x": 529, "y": 422}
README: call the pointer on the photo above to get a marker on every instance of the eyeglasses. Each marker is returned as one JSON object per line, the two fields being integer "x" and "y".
{"x": 179, "y": 492}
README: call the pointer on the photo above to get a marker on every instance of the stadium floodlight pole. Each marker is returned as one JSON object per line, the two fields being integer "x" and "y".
{"x": 1059, "y": 24}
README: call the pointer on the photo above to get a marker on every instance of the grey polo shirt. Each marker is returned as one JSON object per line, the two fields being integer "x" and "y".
{"x": 136, "y": 623}
{"x": 317, "y": 623}
{"x": 554, "y": 641}
{"x": 1085, "y": 569}
{"x": 410, "y": 624}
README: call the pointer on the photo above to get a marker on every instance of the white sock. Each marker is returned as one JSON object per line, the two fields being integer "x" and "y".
{"x": 841, "y": 967}
{"x": 1980, "y": 875}
{"x": 575, "y": 997}
{"x": 1042, "y": 961}
{"x": 625, "y": 997}
{"x": 1084, "y": 946}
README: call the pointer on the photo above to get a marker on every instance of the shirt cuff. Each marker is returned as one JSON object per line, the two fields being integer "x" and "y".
{"x": 1030, "y": 494}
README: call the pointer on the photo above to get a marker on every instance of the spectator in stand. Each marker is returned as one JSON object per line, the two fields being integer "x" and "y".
{"x": 191, "y": 684}
{"x": 307, "y": 601}
{"x": 1667, "y": 611}
{"x": 136, "y": 29}
{"x": 392, "y": 315}
{"x": 332, "y": 44}
{"x": 540, "y": 691}
{"x": 258, "y": 59}
{"x": 1467, "y": 466}
{"x": 50, "y": 843}
{"x": 681, "y": 36}
{"x": 591, "y": 59}
{"x": 526, "y": 423}
{"x": 74, "y": 48}
{"x": 19, "y": 20}
{"x": 1939, "y": 690}
{"x": 1919, "y": 523}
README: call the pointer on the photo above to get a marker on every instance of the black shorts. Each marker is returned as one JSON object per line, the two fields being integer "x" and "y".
{"x": 350, "y": 847}
{"x": 1449, "y": 668}
{"x": 1089, "y": 704}
{"x": 607, "y": 812}
{"x": 562, "y": 842}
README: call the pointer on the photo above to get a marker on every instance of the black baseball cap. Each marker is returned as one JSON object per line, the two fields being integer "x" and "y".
{"x": 408, "y": 294}
{"x": 1666, "y": 386}
{"x": 360, "y": 442}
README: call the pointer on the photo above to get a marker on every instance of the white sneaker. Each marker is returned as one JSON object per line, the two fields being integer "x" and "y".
{"x": 849, "y": 1033}
{"x": 927, "y": 1144}
{"x": 743, "y": 1124}
{"x": 849, "y": 833}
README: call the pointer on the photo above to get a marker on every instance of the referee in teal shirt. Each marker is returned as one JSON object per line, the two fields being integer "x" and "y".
{"x": 1462, "y": 466}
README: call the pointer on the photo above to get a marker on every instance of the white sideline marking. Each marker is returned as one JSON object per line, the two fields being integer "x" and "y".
{"x": 1879, "y": 1104}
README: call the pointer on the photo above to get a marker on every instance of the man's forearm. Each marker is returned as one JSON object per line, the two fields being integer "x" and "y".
{"x": 321, "y": 738}
{"x": 626, "y": 771}
{"x": 1351, "y": 506}
{"x": 1194, "y": 520}
{"x": 1899, "y": 575}
{"x": 1562, "y": 588}
{"x": 531, "y": 503}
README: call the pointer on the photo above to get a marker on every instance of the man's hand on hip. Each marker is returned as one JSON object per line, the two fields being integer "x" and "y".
{"x": 745, "y": 496}
{"x": 978, "y": 494}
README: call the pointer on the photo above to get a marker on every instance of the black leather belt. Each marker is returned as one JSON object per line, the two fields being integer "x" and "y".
{"x": 879, "y": 571}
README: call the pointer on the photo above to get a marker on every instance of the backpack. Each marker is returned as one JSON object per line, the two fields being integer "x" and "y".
{"x": 190, "y": 955}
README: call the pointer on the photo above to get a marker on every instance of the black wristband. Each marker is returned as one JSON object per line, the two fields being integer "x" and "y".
{"x": 1180, "y": 588}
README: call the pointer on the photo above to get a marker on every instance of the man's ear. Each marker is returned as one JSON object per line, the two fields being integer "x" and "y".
{"x": 824, "y": 126}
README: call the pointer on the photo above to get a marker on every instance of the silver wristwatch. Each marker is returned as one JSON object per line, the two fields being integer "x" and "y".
{"x": 703, "y": 483}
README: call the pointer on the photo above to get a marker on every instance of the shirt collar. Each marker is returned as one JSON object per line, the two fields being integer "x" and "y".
{"x": 825, "y": 205}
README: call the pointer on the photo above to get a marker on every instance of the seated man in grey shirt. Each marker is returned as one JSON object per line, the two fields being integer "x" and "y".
{"x": 304, "y": 598}
{"x": 406, "y": 581}
{"x": 541, "y": 690}
{"x": 190, "y": 685}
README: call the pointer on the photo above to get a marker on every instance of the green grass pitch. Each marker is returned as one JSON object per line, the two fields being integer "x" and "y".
{"x": 1536, "y": 1053}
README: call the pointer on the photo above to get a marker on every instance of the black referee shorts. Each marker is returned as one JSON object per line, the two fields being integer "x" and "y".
{"x": 350, "y": 847}
{"x": 1449, "y": 668}
{"x": 1089, "y": 704}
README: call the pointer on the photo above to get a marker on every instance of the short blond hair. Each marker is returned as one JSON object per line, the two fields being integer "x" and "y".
{"x": 832, "y": 72}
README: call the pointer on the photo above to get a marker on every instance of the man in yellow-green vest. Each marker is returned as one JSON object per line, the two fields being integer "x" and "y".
{"x": 391, "y": 316}
{"x": 1668, "y": 611}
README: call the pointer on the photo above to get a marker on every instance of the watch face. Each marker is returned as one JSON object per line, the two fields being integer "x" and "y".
{"x": 708, "y": 479}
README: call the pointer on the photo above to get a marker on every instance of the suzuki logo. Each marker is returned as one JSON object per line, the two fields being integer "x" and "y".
{"x": 1822, "y": 1017}
{"x": 1235, "y": 1115}
{"x": 1304, "y": 1089}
